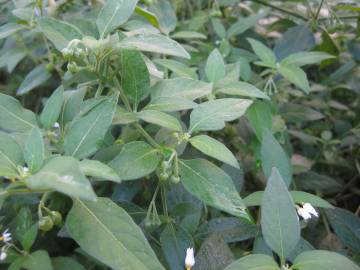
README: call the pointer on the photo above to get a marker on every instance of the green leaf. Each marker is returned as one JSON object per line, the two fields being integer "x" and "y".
{"x": 38, "y": 260}
{"x": 215, "y": 66}
{"x": 212, "y": 115}
{"x": 346, "y": 226}
{"x": 123, "y": 117}
{"x": 264, "y": 53}
{"x": 161, "y": 119}
{"x": 215, "y": 149}
{"x": 254, "y": 262}
{"x": 260, "y": 117}
{"x": 34, "y": 152}
{"x": 12, "y": 57}
{"x": 99, "y": 170}
{"x": 273, "y": 155}
{"x": 136, "y": 159}
{"x": 166, "y": 15}
{"x": 306, "y": 58}
{"x": 295, "y": 39}
{"x": 188, "y": 35}
{"x": 106, "y": 232}
{"x": 177, "y": 68}
{"x": 71, "y": 107}
{"x": 244, "y": 24}
{"x": 50, "y": 113}
{"x": 218, "y": 28}
{"x": 242, "y": 89}
{"x": 299, "y": 197}
{"x": 150, "y": 17}
{"x": 279, "y": 221}
{"x": 66, "y": 263}
{"x": 33, "y": 79}
{"x": 212, "y": 185}
{"x": 29, "y": 237}
{"x": 60, "y": 33}
{"x": 174, "y": 243}
{"x": 113, "y": 14}
{"x": 9, "y": 29}
{"x": 323, "y": 260}
{"x": 84, "y": 132}
{"x": 62, "y": 174}
{"x": 11, "y": 156}
{"x": 135, "y": 78}
{"x": 177, "y": 94}
{"x": 295, "y": 75}
{"x": 155, "y": 43}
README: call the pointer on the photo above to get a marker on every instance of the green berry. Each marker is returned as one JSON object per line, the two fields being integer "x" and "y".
{"x": 46, "y": 224}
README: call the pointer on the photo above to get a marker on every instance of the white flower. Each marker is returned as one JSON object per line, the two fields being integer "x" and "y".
{"x": 6, "y": 236}
{"x": 56, "y": 125}
{"x": 189, "y": 260}
{"x": 25, "y": 169}
{"x": 3, "y": 255}
{"x": 310, "y": 209}
{"x": 303, "y": 213}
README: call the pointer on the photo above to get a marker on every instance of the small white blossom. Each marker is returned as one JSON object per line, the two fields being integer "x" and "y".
{"x": 189, "y": 259}
{"x": 3, "y": 255}
{"x": 303, "y": 213}
{"x": 56, "y": 125}
{"x": 6, "y": 236}
{"x": 310, "y": 209}
{"x": 25, "y": 169}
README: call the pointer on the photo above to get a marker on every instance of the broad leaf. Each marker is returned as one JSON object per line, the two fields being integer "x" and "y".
{"x": 106, "y": 232}
{"x": 244, "y": 24}
{"x": 177, "y": 94}
{"x": 38, "y": 260}
{"x": 11, "y": 58}
{"x": 254, "y": 262}
{"x": 64, "y": 263}
{"x": 84, "y": 132}
{"x": 299, "y": 197}
{"x": 295, "y": 75}
{"x": 212, "y": 185}
{"x": 306, "y": 58}
{"x": 323, "y": 260}
{"x": 218, "y": 28}
{"x": 9, "y": 29}
{"x": 346, "y": 226}
{"x": 136, "y": 159}
{"x": 154, "y": 43}
{"x": 113, "y": 14}
{"x": 13, "y": 117}
{"x": 273, "y": 155}
{"x": 160, "y": 118}
{"x": 165, "y": 14}
{"x": 60, "y": 33}
{"x": 177, "y": 68}
{"x": 215, "y": 149}
{"x": 279, "y": 221}
{"x": 71, "y": 107}
{"x": 62, "y": 174}
{"x": 260, "y": 117}
{"x": 264, "y": 53}
{"x": 50, "y": 113}
{"x": 34, "y": 152}
{"x": 242, "y": 89}
{"x": 135, "y": 79}
{"x": 98, "y": 170}
{"x": 11, "y": 156}
{"x": 33, "y": 79}
{"x": 174, "y": 243}
{"x": 215, "y": 66}
{"x": 212, "y": 115}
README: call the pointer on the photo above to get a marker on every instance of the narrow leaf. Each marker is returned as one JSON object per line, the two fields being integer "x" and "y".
{"x": 34, "y": 152}
{"x": 160, "y": 118}
{"x": 215, "y": 66}
{"x": 50, "y": 113}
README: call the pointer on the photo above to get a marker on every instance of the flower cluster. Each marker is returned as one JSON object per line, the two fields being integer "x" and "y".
{"x": 6, "y": 238}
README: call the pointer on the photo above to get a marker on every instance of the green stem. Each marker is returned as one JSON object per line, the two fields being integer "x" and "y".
{"x": 318, "y": 10}
{"x": 146, "y": 135}
{"x": 268, "y": 4}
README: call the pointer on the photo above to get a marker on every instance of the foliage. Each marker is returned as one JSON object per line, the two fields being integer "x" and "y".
{"x": 133, "y": 130}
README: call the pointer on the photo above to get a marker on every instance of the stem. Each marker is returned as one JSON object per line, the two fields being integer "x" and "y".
{"x": 164, "y": 201}
{"x": 281, "y": 9}
{"x": 146, "y": 135}
{"x": 318, "y": 10}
